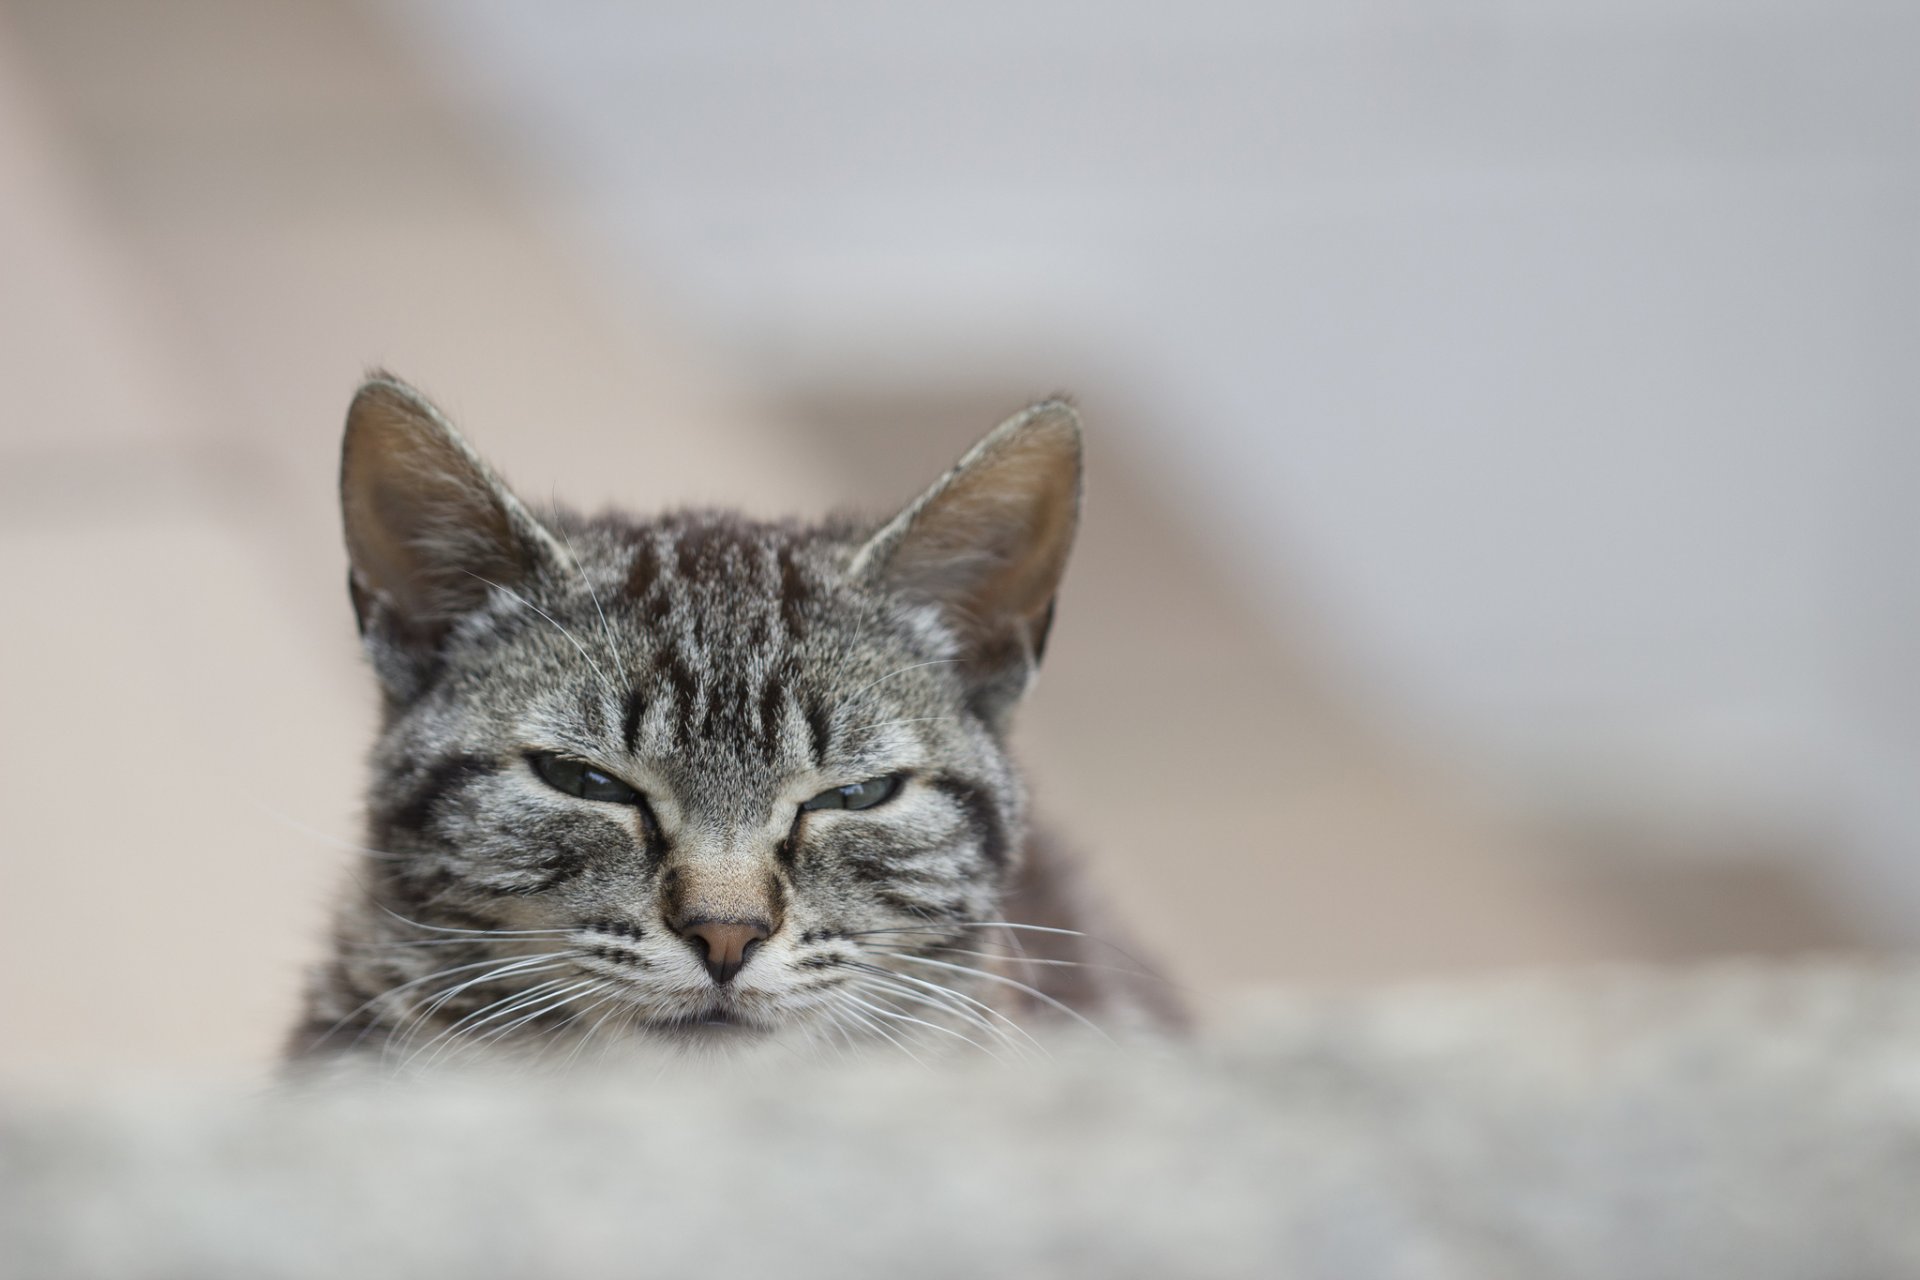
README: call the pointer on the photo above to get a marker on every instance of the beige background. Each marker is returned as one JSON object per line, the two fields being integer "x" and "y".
{"x": 215, "y": 213}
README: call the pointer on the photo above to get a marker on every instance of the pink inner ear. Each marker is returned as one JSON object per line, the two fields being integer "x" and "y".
{"x": 423, "y": 515}
{"x": 990, "y": 542}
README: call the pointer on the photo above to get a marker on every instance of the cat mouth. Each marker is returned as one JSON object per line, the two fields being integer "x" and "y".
{"x": 711, "y": 1022}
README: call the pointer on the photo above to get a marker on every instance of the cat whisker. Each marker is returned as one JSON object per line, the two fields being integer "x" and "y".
{"x": 606, "y": 685}
{"x": 899, "y": 671}
{"x": 967, "y": 1016}
{"x": 418, "y": 1023}
{"x": 456, "y": 1044}
{"x": 881, "y": 724}
{"x": 896, "y": 1015}
{"x": 392, "y": 991}
{"x": 514, "y": 967}
{"x": 1014, "y": 927}
{"x": 485, "y": 1014}
{"x": 478, "y": 933}
{"x": 1022, "y": 958}
{"x": 617, "y": 1015}
{"x": 878, "y": 1029}
{"x": 402, "y": 945}
{"x": 817, "y": 1017}
{"x": 626, "y": 1017}
{"x": 837, "y": 1024}
{"x": 975, "y": 924}
{"x": 563, "y": 998}
{"x": 553, "y": 1000}
{"x": 613, "y": 648}
{"x": 314, "y": 833}
{"x": 983, "y": 1010}
{"x": 521, "y": 968}
{"x": 1017, "y": 985}
{"x": 821, "y": 1034}
{"x": 602, "y": 1003}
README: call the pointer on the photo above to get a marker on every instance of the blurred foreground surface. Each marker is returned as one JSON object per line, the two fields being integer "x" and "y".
{"x": 216, "y": 214}
{"x": 1745, "y": 1122}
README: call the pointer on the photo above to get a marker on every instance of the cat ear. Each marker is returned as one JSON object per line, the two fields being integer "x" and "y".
{"x": 430, "y": 529}
{"x": 987, "y": 545}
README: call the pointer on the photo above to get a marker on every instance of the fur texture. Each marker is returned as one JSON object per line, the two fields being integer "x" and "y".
{"x": 720, "y": 677}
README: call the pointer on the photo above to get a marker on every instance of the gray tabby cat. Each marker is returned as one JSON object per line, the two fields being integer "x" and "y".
{"x": 701, "y": 779}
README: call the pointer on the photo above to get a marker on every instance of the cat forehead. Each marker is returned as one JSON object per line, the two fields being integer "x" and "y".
{"x": 717, "y": 583}
{"x": 712, "y": 617}
{"x": 721, "y": 557}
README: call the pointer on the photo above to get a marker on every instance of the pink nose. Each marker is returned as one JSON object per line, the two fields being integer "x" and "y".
{"x": 724, "y": 945}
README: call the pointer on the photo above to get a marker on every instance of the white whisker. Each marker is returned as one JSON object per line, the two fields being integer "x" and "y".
{"x": 613, "y": 649}
{"x": 606, "y": 685}
{"x": 1144, "y": 969}
{"x": 986, "y": 1010}
{"x": 898, "y": 671}
{"x": 314, "y": 833}
{"x": 978, "y": 924}
{"x": 478, "y": 933}
{"x": 967, "y": 1016}
{"x": 878, "y": 1029}
{"x": 392, "y": 991}
{"x": 497, "y": 1009}
{"x": 562, "y": 998}
{"x": 881, "y": 724}
{"x": 919, "y": 1022}
{"x": 516, "y": 968}
{"x": 1022, "y": 958}
{"x": 1035, "y": 992}
{"x": 418, "y": 1019}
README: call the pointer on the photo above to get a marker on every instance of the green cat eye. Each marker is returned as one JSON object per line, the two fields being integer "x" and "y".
{"x": 578, "y": 778}
{"x": 858, "y": 795}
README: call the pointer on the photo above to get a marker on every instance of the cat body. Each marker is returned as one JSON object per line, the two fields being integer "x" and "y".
{"x": 701, "y": 779}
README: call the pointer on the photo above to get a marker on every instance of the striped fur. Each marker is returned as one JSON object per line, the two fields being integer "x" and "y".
{"x": 727, "y": 669}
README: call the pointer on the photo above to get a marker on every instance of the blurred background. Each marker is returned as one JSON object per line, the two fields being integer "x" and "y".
{"x": 1504, "y": 532}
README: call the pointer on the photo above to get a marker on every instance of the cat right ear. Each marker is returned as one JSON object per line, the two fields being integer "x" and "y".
{"x": 430, "y": 529}
{"x": 986, "y": 546}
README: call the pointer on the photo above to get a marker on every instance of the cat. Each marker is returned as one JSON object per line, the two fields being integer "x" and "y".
{"x": 703, "y": 780}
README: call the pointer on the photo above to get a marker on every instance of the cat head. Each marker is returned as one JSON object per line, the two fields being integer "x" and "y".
{"x": 692, "y": 770}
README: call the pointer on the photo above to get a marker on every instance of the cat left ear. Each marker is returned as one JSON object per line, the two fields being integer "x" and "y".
{"x": 431, "y": 531}
{"x": 987, "y": 545}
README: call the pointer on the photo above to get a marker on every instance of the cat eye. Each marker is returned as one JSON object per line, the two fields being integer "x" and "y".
{"x": 578, "y": 778}
{"x": 857, "y": 795}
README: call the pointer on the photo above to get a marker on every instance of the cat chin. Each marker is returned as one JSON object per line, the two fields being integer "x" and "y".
{"x": 714, "y": 1023}
{"x": 720, "y": 1022}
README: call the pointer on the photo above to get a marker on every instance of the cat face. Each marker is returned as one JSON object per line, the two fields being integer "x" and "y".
{"x": 698, "y": 776}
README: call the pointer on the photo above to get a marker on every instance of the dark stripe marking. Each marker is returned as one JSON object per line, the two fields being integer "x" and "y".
{"x": 686, "y": 688}
{"x": 981, "y": 815}
{"x": 795, "y": 593}
{"x": 819, "y": 730}
{"x": 630, "y": 725}
{"x": 443, "y": 779}
{"x": 644, "y": 572}
{"x": 773, "y": 705}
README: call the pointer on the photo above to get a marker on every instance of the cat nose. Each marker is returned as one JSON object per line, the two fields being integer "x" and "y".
{"x": 724, "y": 945}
